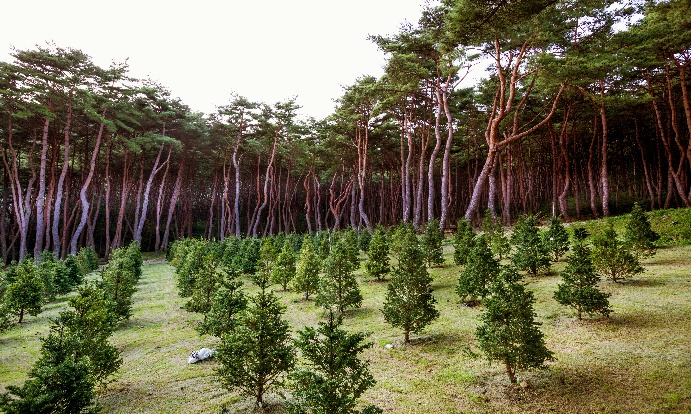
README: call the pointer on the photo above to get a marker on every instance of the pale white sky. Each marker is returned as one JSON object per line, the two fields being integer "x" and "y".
{"x": 266, "y": 50}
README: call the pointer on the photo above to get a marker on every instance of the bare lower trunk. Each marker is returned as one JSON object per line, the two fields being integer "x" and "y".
{"x": 145, "y": 201}
{"x": 171, "y": 206}
{"x": 159, "y": 204}
{"x": 591, "y": 174}
{"x": 85, "y": 187}
{"x": 41, "y": 197}
{"x": 604, "y": 174}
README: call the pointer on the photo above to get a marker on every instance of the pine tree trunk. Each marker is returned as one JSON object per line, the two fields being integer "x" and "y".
{"x": 159, "y": 203}
{"x": 171, "y": 205}
{"x": 591, "y": 173}
{"x": 604, "y": 174}
{"x": 85, "y": 187}
{"x": 510, "y": 372}
{"x": 145, "y": 202}
{"x": 446, "y": 160}
{"x": 41, "y": 197}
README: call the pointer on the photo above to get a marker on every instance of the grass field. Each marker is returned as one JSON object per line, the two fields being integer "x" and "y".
{"x": 639, "y": 360}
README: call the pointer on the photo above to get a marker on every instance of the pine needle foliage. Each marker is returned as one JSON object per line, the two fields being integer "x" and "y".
{"x": 409, "y": 303}
{"x": 432, "y": 244}
{"x": 480, "y": 269}
{"x": 284, "y": 270}
{"x": 377, "y": 264}
{"x": 258, "y": 353}
{"x": 613, "y": 257}
{"x": 530, "y": 253}
{"x": 462, "y": 242}
{"x": 556, "y": 239}
{"x": 307, "y": 272}
{"x": 25, "y": 292}
{"x": 228, "y": 302}
{"x": 333, "y": 377}
{"x": 579, "y": 284}
{"x": 338, "y": 286}
{"x": 639, "y": 235}
{"x": 508, "y": 332}
{"x": 496, "y": 235}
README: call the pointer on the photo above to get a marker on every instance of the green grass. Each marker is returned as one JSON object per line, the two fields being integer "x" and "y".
{"x": 638, "y": 361}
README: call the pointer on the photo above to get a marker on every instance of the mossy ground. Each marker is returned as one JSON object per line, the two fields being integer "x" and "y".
{"x": 639, "y": 360}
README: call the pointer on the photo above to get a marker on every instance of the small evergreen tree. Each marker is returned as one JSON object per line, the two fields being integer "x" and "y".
{"x": 307, "y": 271}
{"x": 74, "y": 357}
{"x": 338, "y": 287}
{"x": 556, "y": 239}
{"x": 47, "y": 268}
{"x": 364, "y": 239}
{"x": 257, "y": 354}
{"x": 267, "y": 258}
{"x": 188, "y": 260}
{"x": 398, "y": 239}
{"x": 5, "y": 313}
{"x": 639, "y": 235}
{"x": 92, "y": 322}
{"x": 59, "y": 382}
{"x": 227, "y": 304}
{"x": 462, "y": 242}
{"x": 247, "y": 258}
{"x": 333, "y": 378}
{"x": 496, "y": 235}
{"x": 613, "y": 258}
{"x": 87, "y": 258}
{"x": 579, "y": 288}
{"x": 377, "y": 263}
{"x": 350, "y": 239}
{"x": 479, "y": 271}
{"x": 119, "y": 279}
{"x": 431, "y": 243}
{"x": 25, "y": 293}
{"x": 206, "y": 280}
{"x": 284, "y": 270}
{"x": 509, "y": 333}
{"x": 70, "y": 271}
{"x": 409, "y": 302}
{"x": 531, "y": 253}
{"x": 324, "y": 248}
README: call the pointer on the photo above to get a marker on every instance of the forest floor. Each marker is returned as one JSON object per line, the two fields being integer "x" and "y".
{"x": 637, "y": 361}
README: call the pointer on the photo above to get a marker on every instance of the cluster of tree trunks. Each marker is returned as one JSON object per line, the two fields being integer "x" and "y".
{"x": 91, "y": 157}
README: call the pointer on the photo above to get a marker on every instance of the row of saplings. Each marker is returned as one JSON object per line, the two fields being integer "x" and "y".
{"x": 256, "y": 350}
{"x": 76, "y": 356}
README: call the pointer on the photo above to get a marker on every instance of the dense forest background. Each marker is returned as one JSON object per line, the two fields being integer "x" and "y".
{"x": 583, "y": 109}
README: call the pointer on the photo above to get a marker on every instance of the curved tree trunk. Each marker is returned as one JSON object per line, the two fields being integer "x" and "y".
{"x": 41, "y": 197}
{"x": 61, "y": 184}
{"x": 85, "y": 187}
{"x": 145, "y": 201}
{"x": 171, "y": 206}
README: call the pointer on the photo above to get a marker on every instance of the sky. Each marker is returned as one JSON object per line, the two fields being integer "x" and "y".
{"x": 203, "y": 50}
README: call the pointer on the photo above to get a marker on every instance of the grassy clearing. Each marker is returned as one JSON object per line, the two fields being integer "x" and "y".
{"x": 639, "y": 360}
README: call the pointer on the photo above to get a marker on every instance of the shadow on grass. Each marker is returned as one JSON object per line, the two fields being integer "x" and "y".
{"x": 644, "y": 282}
